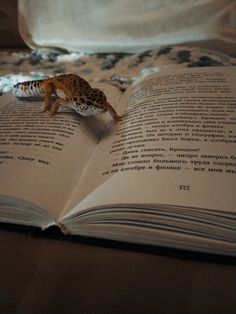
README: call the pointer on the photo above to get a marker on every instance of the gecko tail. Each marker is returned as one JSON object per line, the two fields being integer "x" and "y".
{"x": 29, "y": 88}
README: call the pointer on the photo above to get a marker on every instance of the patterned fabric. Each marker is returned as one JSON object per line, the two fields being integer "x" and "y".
{"x": 119, "y": 69}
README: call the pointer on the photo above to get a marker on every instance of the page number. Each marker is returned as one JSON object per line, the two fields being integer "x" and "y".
{"x": 184, "y": 187}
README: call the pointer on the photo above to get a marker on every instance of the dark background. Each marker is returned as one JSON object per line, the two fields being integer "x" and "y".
{"x": 9, "y": 34}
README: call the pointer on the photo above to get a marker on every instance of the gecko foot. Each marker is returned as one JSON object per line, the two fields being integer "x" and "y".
{"x": 117, "y": 118}
{"x": 46, "y": 109}
{"x": 52, "y": 114}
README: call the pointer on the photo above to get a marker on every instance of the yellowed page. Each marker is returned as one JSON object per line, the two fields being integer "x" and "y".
{"x": 42, "y": 158}
{"x": 175, "y": 146}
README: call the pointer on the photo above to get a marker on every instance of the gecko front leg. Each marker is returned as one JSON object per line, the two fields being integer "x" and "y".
{"x": 49, "y": 90}
{"x": 113, "y": 113}
{"x": 56, "y": 105}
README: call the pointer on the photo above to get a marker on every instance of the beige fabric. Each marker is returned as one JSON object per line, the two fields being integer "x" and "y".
{"x": 127, "y": 25}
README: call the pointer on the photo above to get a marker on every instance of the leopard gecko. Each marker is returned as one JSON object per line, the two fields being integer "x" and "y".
{"x": 72, "y": 91}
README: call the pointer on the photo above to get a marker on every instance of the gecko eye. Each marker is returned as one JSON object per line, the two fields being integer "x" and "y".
{"x": 88, "y": 102}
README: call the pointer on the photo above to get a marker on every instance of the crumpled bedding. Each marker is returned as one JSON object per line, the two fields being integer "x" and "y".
{"x": 118, "y": 69}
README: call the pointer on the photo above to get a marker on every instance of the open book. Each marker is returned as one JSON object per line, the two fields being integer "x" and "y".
{"x": 165, "y": 175}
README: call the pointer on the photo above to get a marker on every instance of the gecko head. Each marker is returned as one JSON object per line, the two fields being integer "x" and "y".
{"x": 96, "y": 100}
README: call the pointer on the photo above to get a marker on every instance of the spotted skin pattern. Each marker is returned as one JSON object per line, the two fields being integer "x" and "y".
{"x": 71, "y": 91}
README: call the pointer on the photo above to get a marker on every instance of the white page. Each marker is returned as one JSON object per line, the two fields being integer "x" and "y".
{"x": 175, "y": 146}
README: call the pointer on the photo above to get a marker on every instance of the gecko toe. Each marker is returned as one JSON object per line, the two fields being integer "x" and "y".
{"x": 52, "y": 114}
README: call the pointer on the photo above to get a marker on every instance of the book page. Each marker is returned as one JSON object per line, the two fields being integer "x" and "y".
{"x": 174, "y": 146}
{"x": 42, "y": 157}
